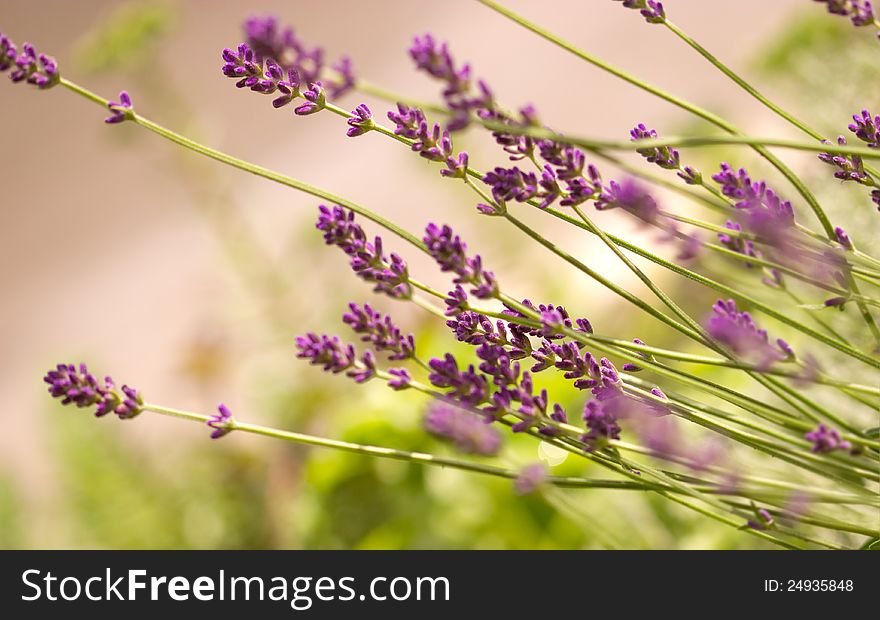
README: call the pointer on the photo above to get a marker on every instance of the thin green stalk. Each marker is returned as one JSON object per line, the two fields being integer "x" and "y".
{"x": 741, "y": 82}
{"x": 394, "y": 454}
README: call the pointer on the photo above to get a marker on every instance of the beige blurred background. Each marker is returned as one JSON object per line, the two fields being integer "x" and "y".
{"x": 106, "y": 255}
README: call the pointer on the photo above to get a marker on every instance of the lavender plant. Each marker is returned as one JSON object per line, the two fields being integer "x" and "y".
{"x": 816, "y": 473}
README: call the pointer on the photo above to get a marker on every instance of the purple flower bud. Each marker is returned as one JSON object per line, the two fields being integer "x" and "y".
{"x": 875, "y": 196}
{"x": 456, "y": 301}
{"x": 651, "y": 10}
{"x": 464, "y": 430}
{"x": 401, "y": 379}
{"x": 826, "y": 439}
{"x": 449, "y": 251}
{"x": 663, "y": 156}
{"x": 120, "y": 110}
{"x": 380, "y": 331}
{"x": 843, "y": 238}
{"x": 691, "y": 176}
{"x": 131, "y": 405}
{"x": 867, "y": 128}
{"x": 736, "y": 243}
{"x": 315, "y": 98}
{"x": 8, "y": 53}
{"x": 849, "y": 167}
{"x": 222, "y": 423}
{"x": 601, "y": 423}
{"x": 530, "y": 479}
{"x": 361, "y": 121}
{"x": 632, "y": 198}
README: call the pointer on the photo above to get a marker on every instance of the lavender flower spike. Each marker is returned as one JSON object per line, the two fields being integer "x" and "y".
{"x": 222, "y": 423}
{"x": 663, "y": 156}
{"x": 449, "y": 251}
{"x": 368, "y": 261}
{"x": 380, "y": 331}
{"x": 849, "y": 167}
{"x": 336, "y": 357}
{"x": 76, "y": 385}
{"x": 738, "y": 331}
{"x": 467, "y": 432}
{"x": 28, "y": 66}
{"x": 120, "y": 110}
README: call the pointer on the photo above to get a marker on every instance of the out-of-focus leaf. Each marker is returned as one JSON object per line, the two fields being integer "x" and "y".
{"x": 126, "y": 37}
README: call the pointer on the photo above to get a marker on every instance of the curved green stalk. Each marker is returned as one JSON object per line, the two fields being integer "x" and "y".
{"x": 741, "y": 82}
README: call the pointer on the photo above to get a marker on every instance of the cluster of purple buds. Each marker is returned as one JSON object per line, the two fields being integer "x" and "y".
{"x": 432, "y": 143}
{"x": 434, "y": 58}
{"x": 76, "y": 385}
{"x": 380, "y": 331}
{"x": 28, "y": 66}
{"x": 765, "y": 214}
{"x": 860, "y": 12}
{"x": 467, "y": 432}
{"x": 499, "y": 382}
{"x": 664, "y": 156}
{"x": 867, "y": 128}
{"x": 737, "y": 243}
{"x": 826, "y": 439}
{"x": 360, "y": 122}
{"x": 222, "y": 423}
{"x": 450, "y": 252}
{"x": 334, "y": 356}
{"x": 270, "y": 42}
{"x": 465, "y": 385}
{"x": 651, "y": 10}
{"x": 242, "y": 65}
{"x": 564, "y": 178}
{"x": 738, "y": 331}
{"x": 121, "y": 110}
{"x": 601, "y": 424}
{"x": 389, "y": 273}
{"x": 849, "y": 167}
